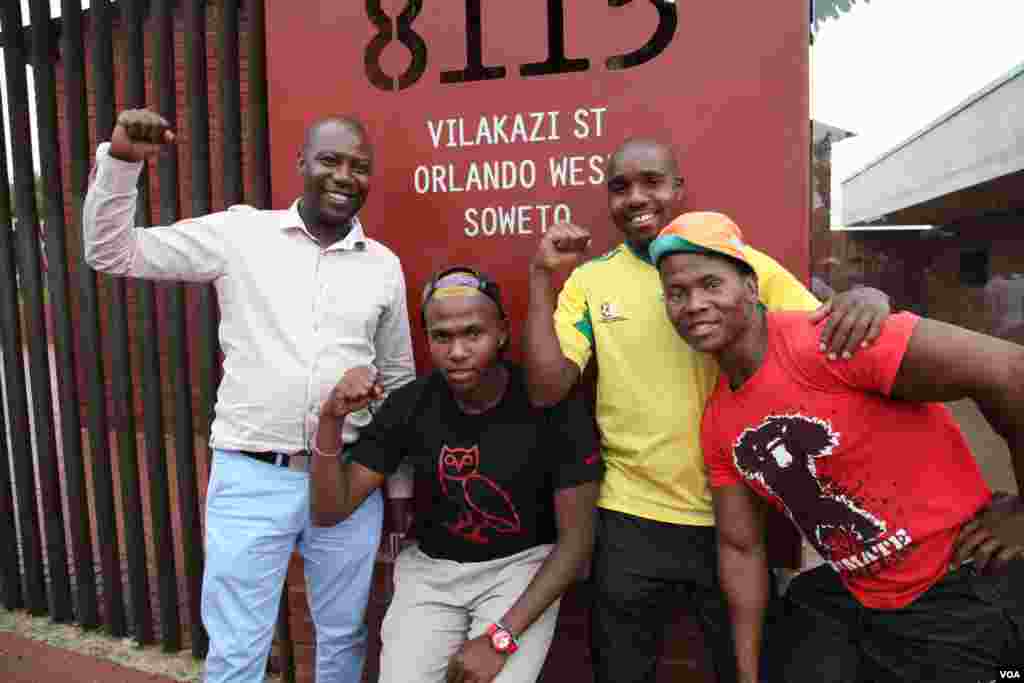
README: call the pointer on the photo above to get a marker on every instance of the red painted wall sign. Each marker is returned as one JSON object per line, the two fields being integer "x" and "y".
{"x": 492, "y": 120}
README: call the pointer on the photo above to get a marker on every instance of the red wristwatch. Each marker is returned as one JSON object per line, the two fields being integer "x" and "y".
{"x": 502, "y": 639}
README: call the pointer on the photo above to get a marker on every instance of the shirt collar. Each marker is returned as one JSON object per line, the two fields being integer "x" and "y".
{"x": 355, "y": 240}
{"x": 645, "y": 256}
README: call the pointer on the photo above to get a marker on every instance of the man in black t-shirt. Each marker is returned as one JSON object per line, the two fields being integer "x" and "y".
{"x": 511, "y": 495}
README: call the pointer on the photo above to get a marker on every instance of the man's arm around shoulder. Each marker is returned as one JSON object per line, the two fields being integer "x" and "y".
{"x": 853, "y": 318}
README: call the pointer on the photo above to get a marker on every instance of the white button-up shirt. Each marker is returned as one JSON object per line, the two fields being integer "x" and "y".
{"x": 294, "y": 315}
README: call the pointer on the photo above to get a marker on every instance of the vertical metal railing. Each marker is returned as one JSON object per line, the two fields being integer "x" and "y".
{"x": 26, "y": 295}
{"x": 69, "y": 436}
{"x": 148, "y": 335}
{"x": 32, "y": 288}
{"x": 230, "y": 103}
{"x": 12, "y": 591}
{"x": 101, "y": 17}
{"x": 159, "y": 497}
{"x": 199, "y": 146}
{"x": 196, "y": 85}
{"x": 73, "y": 59}
{"x": 258, "y": 108}
{"x": 120, "y": 351}
{"x": 43, "y": 51}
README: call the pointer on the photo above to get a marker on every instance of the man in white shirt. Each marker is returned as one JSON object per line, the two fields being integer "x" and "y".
{"x": 304, "y": 295}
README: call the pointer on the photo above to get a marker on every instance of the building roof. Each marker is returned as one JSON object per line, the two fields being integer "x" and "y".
{"x": 967, "y": 160}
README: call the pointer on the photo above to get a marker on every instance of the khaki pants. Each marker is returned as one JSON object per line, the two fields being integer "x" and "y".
{"x": 439, "y": 604}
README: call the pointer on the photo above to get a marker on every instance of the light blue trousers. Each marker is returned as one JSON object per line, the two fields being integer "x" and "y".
{"x": 256, "y": 515}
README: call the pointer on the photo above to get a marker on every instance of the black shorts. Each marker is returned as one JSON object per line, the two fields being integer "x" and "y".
{"x": 966, "y": 628}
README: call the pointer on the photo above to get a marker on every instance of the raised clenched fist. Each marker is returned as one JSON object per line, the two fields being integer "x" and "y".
{"x": 139, "y": 134}
{"x": 356, "y": 390}
{"x": 562, "y": 247}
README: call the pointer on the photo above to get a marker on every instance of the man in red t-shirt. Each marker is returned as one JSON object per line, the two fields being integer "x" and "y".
{"x": 877, "y": 477}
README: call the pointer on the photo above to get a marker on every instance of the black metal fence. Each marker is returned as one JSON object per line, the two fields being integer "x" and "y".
{"x": 94, "y": 518}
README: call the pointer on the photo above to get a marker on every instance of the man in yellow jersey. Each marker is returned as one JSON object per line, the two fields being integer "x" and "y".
{"x": 656, "y": 542}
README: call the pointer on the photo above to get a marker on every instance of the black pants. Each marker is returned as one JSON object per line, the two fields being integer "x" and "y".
{"x": 643, "y": 572}
{"x": 967, "y": 627}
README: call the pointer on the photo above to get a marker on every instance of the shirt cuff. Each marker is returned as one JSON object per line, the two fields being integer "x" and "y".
{"x": 113, "y": 175}
{"x": 401, "y": 483}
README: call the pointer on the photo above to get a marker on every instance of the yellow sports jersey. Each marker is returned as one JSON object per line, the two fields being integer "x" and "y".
{"x": 651, "y": 386}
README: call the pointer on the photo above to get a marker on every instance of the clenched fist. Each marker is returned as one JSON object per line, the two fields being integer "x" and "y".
{"x": 562, "y": 247}
{"x": 139, "y": 134}
{"x": 356, "y": 390}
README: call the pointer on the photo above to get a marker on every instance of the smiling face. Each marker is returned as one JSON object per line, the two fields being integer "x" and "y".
{"x": 709, "y": 299}
{"x": 335, "y": 163}
{"x": 466, "y": 335}
{"x": 644, "y": 190}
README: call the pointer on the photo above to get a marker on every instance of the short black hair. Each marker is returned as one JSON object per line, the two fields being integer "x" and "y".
{"x": 350, "y": 122}
{"x": 663, "y": 147}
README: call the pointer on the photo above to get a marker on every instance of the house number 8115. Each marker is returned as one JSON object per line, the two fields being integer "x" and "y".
{"x": 475, "y": 70}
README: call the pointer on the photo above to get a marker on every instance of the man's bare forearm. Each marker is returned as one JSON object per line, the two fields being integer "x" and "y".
{"x": 560, "y": 568}
{"x": 1002, "y": 409}
{"x": 550, "y": 375}
{"x": 555, "y": 575}
{"x": 328, "y": 476}
{"x": 744, "y": 577}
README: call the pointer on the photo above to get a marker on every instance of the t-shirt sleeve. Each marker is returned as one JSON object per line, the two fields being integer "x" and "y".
{"x": 381, "y": 445}
{"x": 721, "y": 469}
{"x": 573, "y": 325}
{"x": 574, "y": 443}
{"x": 871, "y": 369}
{"x": 779, "y": 289}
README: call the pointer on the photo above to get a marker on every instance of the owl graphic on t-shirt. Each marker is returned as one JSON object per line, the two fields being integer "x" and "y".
{"x": 482, "y": 506}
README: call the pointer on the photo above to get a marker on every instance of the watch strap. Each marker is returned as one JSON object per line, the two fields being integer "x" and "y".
{"x": 499, "y": 629}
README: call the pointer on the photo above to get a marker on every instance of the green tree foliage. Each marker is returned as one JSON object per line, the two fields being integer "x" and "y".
{"x": 829, "y": 10}
{"x": 824, "y": 10}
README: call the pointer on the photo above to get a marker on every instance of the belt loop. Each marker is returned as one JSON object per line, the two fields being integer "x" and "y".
{"x": 279, "y": 459}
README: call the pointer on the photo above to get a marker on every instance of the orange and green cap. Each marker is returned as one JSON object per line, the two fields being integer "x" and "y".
{"x": 699, "y": 232}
